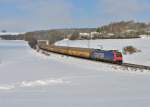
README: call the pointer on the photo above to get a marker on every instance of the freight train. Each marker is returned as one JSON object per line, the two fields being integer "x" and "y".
{"x": 113, "y": 56}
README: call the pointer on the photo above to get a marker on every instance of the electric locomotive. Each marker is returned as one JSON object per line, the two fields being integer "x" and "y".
{"x": 113, "y": 56}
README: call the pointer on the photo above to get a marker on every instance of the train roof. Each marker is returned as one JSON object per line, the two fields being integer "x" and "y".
{"x": 81, "y": 48}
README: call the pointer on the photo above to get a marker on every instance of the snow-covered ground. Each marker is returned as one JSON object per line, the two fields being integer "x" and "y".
{"x": 31, "y": 79}
{"x": 10, "y": 33}
{"x": 142, "y": 44}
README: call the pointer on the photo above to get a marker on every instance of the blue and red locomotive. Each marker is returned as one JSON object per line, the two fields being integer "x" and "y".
{"x": 113, "y": 56}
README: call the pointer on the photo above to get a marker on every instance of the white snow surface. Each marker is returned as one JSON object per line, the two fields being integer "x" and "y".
{"x": 10, "y": 33}
{"x": 31, "y": 79}
{"x": 142, "y": 44}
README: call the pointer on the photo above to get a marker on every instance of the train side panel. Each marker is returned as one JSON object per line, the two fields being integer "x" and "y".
{"x": 102, "y": 55}
{"x": 109, "y": 55}
{"x": 79, "y": 53}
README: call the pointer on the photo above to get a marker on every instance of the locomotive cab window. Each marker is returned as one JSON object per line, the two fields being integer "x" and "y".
{"x": 118, "y": 54}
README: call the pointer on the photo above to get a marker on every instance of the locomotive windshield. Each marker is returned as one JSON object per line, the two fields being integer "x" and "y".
{"x": 118, "y": 54}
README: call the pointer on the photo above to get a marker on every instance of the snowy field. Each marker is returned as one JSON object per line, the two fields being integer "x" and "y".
{"x": 142, "y": 44}
{"x": 31, "y": 79}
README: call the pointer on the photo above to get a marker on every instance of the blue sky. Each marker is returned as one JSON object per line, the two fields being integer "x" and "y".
{"x": 29, "y": 15}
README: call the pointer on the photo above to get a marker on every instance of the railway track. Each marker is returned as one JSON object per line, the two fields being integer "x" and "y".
{"x": 128, "y": 65}
{"x": 136, "y": 66}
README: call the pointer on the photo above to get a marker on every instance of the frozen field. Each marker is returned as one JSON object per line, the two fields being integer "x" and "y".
{"x": 109, "y": 44}
{"x": 31, "y": 79}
